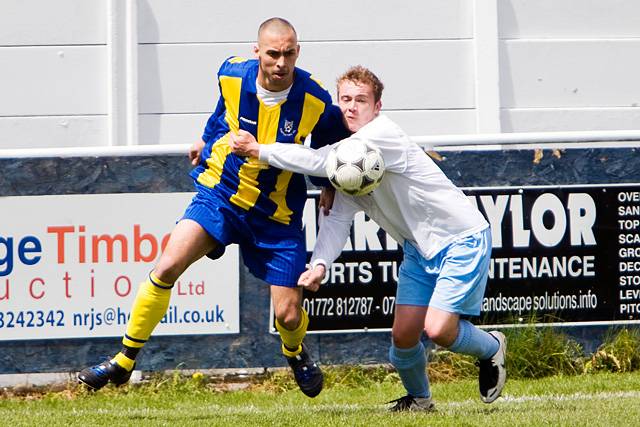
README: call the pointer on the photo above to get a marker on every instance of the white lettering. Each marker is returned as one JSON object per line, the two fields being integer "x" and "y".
{"x": 629, "y": 196}
{"x": 521, "y": 236}
{"x": 366, "y": 233}
{"x": 495, "y": 213}
{"x": 582, "y": 217}
{"x": 537, "y": 267}
{"x": 548, "y": 236}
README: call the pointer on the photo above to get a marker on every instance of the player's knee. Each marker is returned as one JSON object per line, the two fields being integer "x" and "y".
{"x": 441, "y": 333}
{"x": 168, "y": 270}
{"x": 288, "y": 316}
{"x": 401, "y": 339}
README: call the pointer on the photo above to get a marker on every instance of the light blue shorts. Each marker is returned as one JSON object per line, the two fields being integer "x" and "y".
{"x": 454, "y": 280}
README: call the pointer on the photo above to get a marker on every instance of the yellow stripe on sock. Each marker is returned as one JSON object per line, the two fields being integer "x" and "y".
{"x": 133, "y": 344}
{"x": 293, "y": 339}
{"x": 124, "y": 361}
{"x": 290, "y": 353}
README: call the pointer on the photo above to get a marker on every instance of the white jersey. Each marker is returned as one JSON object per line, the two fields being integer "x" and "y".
{"x": 415, "y": 200}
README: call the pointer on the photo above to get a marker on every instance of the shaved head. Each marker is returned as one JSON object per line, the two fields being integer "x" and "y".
{"x": 276, "y": 25}
{"x": 277, "y": 51}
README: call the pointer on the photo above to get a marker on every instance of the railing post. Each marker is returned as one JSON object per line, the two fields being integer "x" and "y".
{"x": 487, "y": 66}
{"x": 122, "y": 57}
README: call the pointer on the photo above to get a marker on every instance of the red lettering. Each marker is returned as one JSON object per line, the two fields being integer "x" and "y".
{"x": 6, "y": 290}
{"x": 60, "y": 232}
{"x": 116, "y": 287}
{"x": 137, "y": 241}
{"x": 31, "y": 292}
{"x": 180, "y": 291}
{"x": 110, "y": 241}
{"x": 93, "y": 284}
{"x": 66, "y": 279}
{"x": 82, "y": 246}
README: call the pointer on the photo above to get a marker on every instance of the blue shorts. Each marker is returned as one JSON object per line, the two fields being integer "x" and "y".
{"x": 273, "y": 252}
{"x": 454, "y": 280}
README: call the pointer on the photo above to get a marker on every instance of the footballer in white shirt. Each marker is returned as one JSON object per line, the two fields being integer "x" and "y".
{"x": 445, "y": 239}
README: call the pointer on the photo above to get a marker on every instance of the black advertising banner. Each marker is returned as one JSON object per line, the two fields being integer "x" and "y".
{"x": 561, "y": 255}
{"x": 555, "y": 254}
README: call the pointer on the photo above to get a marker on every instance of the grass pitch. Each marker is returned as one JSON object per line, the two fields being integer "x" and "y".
{"x": 602, "y": 399}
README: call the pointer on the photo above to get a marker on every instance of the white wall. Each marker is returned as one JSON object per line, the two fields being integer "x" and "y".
{"x": 569, "y": 64}
{"x": 53, "y": 73}
{"x": 559, "y": 64}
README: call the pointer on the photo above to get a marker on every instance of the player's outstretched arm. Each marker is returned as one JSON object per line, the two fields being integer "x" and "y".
{"x": 293, "y": 157}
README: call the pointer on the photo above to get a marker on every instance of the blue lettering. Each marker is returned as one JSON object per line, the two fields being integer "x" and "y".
{"x": 34, "y": 247}
{"x": 7, "y": 259}
{"x": 29, "y": 252}
{"x": 219, "y": 314}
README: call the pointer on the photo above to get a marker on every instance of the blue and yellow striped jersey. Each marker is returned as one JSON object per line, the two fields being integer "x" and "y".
{"x": 247, "y": 182}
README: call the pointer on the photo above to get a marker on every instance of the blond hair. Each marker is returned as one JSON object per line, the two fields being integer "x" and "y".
{"x": 362, "y": 75}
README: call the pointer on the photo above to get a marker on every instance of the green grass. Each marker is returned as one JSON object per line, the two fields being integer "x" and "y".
{"x": 619, "y": 353}
{"x": 551, "y": 383}
{"x": 539, "y": 352}
{"x": 602, "y": 399}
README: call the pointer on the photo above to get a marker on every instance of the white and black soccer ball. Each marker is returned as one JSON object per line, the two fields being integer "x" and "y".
{"x": 355, "y": 167}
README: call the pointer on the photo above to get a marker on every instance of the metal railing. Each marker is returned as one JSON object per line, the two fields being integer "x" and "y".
{"x": 499, "y": 141}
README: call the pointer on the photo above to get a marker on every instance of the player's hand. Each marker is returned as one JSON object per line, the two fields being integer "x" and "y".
{"x": 194, "y": 152}
{"x": 326, "y": 200}
{"x": 244, "y": 144}
{"x": 312, "y": 278}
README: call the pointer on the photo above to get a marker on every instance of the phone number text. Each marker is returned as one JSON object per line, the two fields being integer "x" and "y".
{"x": 348, "y": 306}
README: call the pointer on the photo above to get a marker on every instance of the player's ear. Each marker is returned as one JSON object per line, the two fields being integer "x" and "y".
{"x": 377, "y": 107}
{"x": 256, "y": 50}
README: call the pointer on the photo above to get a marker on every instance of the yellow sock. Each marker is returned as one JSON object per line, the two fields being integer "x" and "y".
{"x": 293, "y": 339}
{"x": 124, "y": 361}
{"x": 150, "y": 305}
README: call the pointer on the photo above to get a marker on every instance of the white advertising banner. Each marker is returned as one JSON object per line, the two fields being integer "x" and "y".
{"x": 70, "y": 267}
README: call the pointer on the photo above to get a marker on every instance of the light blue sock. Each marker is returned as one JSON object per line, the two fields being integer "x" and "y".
{"x": 474, "y": 341}
{"x": 411, "y": 364}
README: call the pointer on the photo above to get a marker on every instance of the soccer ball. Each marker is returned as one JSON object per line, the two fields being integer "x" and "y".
{"x": 355, "y": 167}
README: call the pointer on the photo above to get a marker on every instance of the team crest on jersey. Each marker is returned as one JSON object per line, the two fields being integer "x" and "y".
{"x": 287, "y": 128}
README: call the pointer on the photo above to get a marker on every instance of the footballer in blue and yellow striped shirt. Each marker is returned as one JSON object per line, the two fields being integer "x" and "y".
{"x": 245, "y": 201}
{"x": 248, "y": 183}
